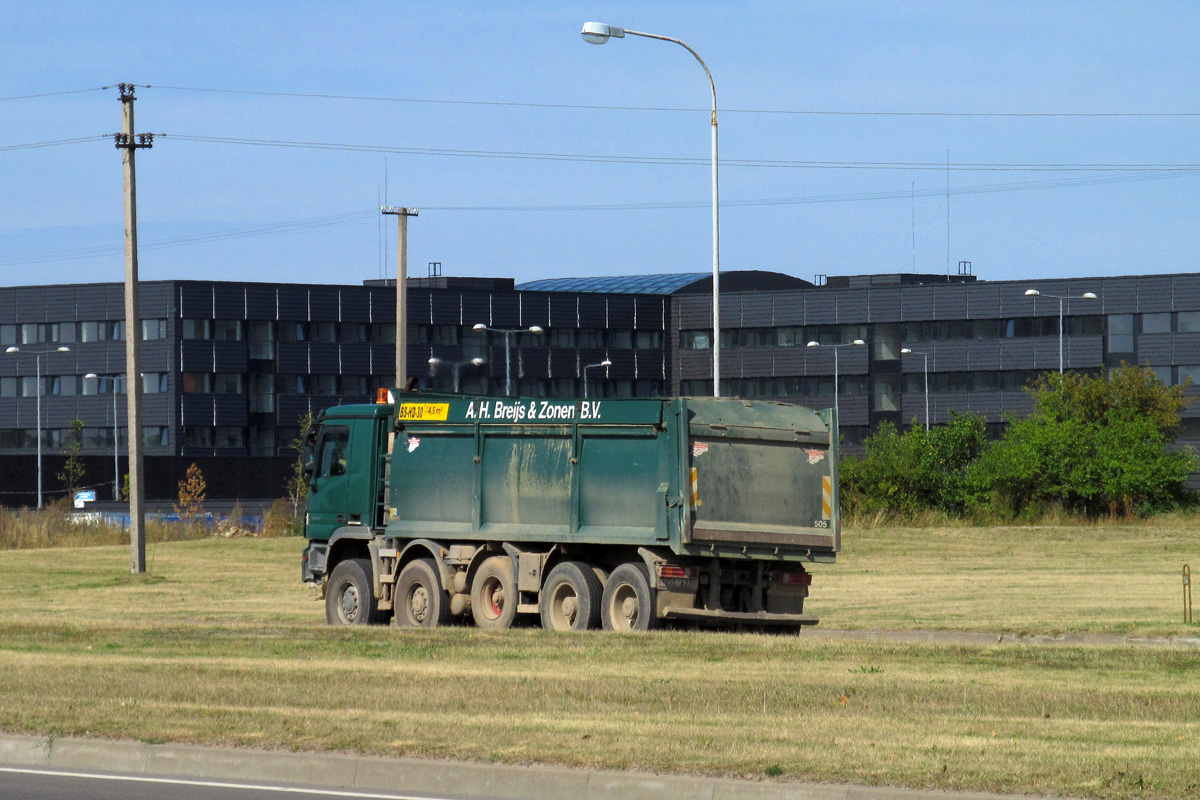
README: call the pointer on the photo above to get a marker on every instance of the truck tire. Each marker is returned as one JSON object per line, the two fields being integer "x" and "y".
{"x": 420, "y": 600}
{"x": 628, "y": 601}
{"x": 349, "y": 597}
{"x": 494, "y": 594}
{"x": 571, "y": 598}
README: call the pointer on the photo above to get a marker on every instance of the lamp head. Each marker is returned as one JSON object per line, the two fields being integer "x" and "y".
{"x": 813, "y": 344}
{"x": 479, "y": 326}
{"x": 859, "y": 342}
{"x": 905, "y": 350}
{"x": 1089, "y": 295}
{"x": 599, "y": 33}
{"x": 63, "y": 349}
{"x": 91, "y": 376}
{"x": 13, "y": 350}
{"x": 434, "y": 361}
{"x": 535, "y": 329}
{"x": 477, "y": 361}
{"x": 606, "y": 363}
{"x": 1032, "y": 293}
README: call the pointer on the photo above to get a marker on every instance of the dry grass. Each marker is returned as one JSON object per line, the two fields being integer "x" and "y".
{"x": 30, "y": 529}
{"x": 221, "y": 645}
{"x": 1093, "y": 579}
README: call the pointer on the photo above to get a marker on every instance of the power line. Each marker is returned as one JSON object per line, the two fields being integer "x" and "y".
{"x": 54, "y": 142}
{"x": 353, "y": 216}
{"x": 681, "y": 161}
{"x": 53, "y": 94}
{"x": 98, "y": 251}
{"x": 812, "y": 112}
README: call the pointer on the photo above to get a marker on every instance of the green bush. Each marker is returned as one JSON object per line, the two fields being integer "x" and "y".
{"x": 1093, "y": 445}
{"x": 908, "y": 472}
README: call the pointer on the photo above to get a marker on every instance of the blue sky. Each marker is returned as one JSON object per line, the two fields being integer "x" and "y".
{"x": 992, "y": 82}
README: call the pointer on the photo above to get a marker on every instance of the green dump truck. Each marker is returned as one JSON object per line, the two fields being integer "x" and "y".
{"x": 621, "y": 514}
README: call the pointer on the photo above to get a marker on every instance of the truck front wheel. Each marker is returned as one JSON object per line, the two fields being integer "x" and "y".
{"x": 494, "y": 594}
{"x": 349, "y": 599}
{"x": 628, "y": 601}
{"x": 420, "y": 600}
{"x": 571, "y": 598}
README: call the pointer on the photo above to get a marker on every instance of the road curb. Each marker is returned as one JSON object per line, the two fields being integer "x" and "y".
{"x": 373, "y": 773}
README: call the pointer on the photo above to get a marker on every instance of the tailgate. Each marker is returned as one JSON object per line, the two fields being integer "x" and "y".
{"x": 761, "y": 473}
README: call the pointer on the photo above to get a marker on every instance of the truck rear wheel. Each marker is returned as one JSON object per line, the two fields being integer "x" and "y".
{"x": 628, "y": 601}
{"x": 420, "y": 600}
{"x": 571, "y": 598}
{"x": 494, "y": 594}
{"x": 349, "y": 598}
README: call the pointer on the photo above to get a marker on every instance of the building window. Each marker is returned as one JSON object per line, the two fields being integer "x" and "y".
{"x": 197, "y": 382}
{"x": 228, "y": 383}
{"x": 648, "y": 340}
{"x": 1187, "y": 322}
{"x": 154, "y": 382}
{"x": 229, "y": 436}
{"x": 227, "y": 330}
{"x": 562, "y": 337}
{"x": 695, "y": 340}
{"x": 197, "y": 436}
{"x": 154, "y": 329}
{"x": 323, "y": 331}
{"x": 154, "y": 435}
{"x": 1120, "y": 333}
{"x": 1156, "y": 323}
{"x": 1192, "y": 372}
{"x": 197, "y": 329}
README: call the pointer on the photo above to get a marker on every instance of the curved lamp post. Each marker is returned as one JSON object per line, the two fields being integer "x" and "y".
{"x": 906, "y": 351}
{"x": 1061, "y": 299}
{"x": 599, "y": 33}
{"x": 455, "y": 366}
{"x": 508, "y": 332}
{"x": 835, "y": 348}
{"x": 605, "y": 363}
{"x": 37, "y": 354}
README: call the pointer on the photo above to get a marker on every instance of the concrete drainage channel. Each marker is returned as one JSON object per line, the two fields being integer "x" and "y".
{"x": 410, "y": 778}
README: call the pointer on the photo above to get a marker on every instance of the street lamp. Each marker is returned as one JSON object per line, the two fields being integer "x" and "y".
{"x": 599, "y": 33}
{"x": 906, "y": 351}
{"x": 37, "y": 354}
{"x": 508, "y": 333}
{"x": 605, "y": 363}
{"x": 1060, "y": 299}
{"x": 116, "y": 435}
{"x": 455, "y": 366}
{"x": 835, "y": 348}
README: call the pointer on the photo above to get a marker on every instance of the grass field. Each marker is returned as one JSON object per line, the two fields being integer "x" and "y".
{"x": 220, "y": 644}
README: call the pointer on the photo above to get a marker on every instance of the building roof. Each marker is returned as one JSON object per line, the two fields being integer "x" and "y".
{"x": 623, "y": 284}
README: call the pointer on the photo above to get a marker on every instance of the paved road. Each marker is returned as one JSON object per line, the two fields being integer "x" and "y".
{"x": 40, "y": 784}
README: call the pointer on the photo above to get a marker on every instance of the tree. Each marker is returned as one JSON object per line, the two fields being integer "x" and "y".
{"x": 297, "y": 483}
{"x": 1093, "y": 444}
{"x": 72, "y": 471}
{"x": 907, "y": 472}
{"x": 191, "y": 495}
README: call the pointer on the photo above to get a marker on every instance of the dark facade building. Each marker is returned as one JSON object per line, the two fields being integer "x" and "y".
{"x": 230, "y": 367}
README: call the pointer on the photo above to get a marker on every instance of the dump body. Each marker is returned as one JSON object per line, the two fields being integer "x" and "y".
{"x": 687, "y": 473}
{"x": 706, "y": 501}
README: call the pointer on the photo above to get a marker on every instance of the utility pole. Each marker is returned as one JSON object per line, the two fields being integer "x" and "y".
{"x": 133, "y": 385}
{"x": 402, "y": 215}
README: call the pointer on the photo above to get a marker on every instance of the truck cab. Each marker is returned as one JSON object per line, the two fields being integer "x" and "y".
{"x": 344, "y": 476}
